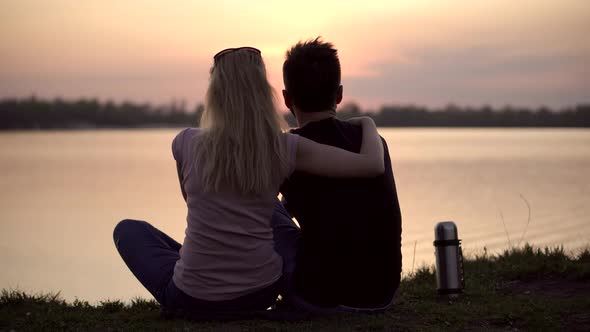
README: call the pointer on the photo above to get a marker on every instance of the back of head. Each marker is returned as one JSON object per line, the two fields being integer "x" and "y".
{"x": 311, "y": 74}
{"x": 241, "y": 148}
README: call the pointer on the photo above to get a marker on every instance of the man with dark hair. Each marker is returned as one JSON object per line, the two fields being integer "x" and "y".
{"x": 347, "y": 254}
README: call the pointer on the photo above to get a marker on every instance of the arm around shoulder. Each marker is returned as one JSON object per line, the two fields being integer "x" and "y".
{"x": 326, "y": 160}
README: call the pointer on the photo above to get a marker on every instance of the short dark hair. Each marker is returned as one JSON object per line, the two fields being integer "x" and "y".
{"x": 311, "y": 74}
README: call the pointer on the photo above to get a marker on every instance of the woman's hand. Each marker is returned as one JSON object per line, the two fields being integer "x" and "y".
{"x": 372, "y": 144}
{"x": 359, "y": 120}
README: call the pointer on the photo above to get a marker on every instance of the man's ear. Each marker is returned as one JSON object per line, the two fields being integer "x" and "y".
{"x": 339, "y": 95}
{"x": 288, "y": 100}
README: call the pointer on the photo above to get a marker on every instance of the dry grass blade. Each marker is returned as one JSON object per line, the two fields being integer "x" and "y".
{"x": 505, "y": 229}
{"x": 414, "y": 256}
{"x": 526, "y": 227}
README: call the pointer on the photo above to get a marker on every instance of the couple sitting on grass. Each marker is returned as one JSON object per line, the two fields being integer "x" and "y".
{"x": 241, "y": 247}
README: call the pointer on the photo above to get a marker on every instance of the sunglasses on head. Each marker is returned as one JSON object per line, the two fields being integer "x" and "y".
{"x": 231, "y": 50}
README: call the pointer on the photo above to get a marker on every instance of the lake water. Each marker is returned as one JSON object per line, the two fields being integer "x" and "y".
{"x": 63, "y": 192}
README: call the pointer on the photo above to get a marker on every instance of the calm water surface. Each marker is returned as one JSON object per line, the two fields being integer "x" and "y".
{"x": 63, "y": 192}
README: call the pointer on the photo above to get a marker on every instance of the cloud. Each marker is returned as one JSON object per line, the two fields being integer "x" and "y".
{"x": 476, "y": 76}
{"x": 424, "y": 52}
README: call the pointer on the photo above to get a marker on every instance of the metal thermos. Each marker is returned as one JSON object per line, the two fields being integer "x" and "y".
{"x": 449, "y": 259}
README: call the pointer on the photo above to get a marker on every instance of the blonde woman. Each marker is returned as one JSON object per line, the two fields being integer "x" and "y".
{"x": 230, "y": 171}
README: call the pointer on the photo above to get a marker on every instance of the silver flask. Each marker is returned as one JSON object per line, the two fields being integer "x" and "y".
{"x": 449, "y": 259}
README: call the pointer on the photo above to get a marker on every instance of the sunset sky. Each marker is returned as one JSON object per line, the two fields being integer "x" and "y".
{"x": 524, "y": 53}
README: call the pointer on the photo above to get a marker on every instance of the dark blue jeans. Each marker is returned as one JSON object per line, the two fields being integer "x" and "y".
{"x": 151, "y": 256}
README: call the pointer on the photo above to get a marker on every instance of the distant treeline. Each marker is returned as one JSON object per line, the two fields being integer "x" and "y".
{"x": 34, "y": 113}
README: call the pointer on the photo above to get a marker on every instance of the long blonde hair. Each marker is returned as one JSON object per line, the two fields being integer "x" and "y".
{"x": 240, "y": 148}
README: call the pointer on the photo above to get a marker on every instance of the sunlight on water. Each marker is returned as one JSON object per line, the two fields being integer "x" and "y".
{"x": 63, "y": 192}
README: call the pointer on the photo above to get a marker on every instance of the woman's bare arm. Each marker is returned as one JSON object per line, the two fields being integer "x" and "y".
{"x": 326, "y": 160}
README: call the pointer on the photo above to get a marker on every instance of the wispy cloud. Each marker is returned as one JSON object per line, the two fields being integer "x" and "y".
{"x": 476, "y": 76}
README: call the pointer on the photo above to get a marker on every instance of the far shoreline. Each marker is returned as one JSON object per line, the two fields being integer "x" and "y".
{"x": 164, "y": 127}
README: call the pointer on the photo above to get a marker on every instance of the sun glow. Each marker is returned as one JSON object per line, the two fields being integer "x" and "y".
{"x": 160, "y": 50}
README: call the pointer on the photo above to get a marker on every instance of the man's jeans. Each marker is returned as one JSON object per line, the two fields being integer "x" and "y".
{"x": 287, "y": 238}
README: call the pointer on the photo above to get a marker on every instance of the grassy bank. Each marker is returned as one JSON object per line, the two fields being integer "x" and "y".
{"x": 524, "y": 288}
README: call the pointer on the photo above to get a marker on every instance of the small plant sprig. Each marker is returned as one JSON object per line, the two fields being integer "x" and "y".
{"x": 525, "y": 227}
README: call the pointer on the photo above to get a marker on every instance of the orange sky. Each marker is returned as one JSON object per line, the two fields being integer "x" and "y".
{"x": 431, "y": 53}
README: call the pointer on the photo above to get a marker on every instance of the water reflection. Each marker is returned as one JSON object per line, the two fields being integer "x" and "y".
{"x": 63, "y": 192}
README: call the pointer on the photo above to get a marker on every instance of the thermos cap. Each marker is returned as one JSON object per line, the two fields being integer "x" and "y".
{"x": 445, "y": 230}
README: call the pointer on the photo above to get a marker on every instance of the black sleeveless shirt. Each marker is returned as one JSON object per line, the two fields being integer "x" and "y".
{"x": 350, "y": 252}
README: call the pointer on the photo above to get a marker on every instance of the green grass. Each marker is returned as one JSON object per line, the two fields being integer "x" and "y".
{"x": 525, "y": 288}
